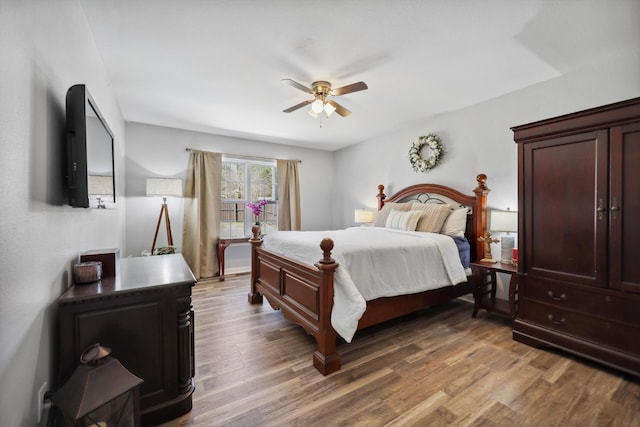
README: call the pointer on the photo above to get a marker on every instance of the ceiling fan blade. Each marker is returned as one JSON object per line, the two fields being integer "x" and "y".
{"x": 354, "y": 87}
{"x": 295, "y": 107}
{"x": 339, "y": 108}
{"x": 297, "y": 85}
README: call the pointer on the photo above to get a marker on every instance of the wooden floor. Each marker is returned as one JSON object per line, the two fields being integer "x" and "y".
{"x": 439, "y": 367}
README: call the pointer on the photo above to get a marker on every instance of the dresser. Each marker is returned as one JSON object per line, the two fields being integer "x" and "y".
{"x": 579, "y": 234}
{"x": 144, "y": 315}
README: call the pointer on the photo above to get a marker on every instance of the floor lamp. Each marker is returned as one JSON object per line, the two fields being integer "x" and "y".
{"x": 164, "y": 187}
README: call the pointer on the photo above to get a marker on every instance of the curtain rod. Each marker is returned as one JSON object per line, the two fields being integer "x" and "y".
{"x": 240, "y": 156}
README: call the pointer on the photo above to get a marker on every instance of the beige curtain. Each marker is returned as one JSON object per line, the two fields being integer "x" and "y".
{"x": 202, "y": 213}
{"x": 288, "y": 195}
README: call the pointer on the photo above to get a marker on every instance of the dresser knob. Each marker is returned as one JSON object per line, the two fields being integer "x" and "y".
{"x": 562, "y": 297}
{"x": 560, "y": 322}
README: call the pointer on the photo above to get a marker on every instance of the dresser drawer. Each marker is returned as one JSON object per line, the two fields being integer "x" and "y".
{"x": 619, "y": 306}
{"x": 609, "y": 333}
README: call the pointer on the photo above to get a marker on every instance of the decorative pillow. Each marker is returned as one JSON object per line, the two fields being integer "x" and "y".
{"x": 403, "y": 220}
{"x": 381, "y": 220}
{"x": 433, "y": 216}
{"x": 456, "y": 223}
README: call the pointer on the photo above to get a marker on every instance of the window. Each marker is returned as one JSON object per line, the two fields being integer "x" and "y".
{"x": 246, "y": 181}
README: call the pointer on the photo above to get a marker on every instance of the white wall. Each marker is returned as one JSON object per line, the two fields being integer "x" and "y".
{"x": 478, "y": 139}
{"x": 45, "y": 47}
{"x": 155, "y": 151}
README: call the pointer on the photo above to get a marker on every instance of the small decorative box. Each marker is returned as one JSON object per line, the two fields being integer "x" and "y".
{"x": 87, "y": 272}
{"x": 110, "y": 259}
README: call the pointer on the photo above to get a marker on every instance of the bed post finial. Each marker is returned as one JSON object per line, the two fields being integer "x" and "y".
{"x": 381, "y": 196}
{"x": 327, "y": 246}
{"x": 482, "y": 179}
{"x": 256, "y": 232}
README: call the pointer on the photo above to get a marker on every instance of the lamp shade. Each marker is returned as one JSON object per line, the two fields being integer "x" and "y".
{"x": 164, "y": 187}
{"x": 317, "y": 106}
{"x": 363, "y": 216}
{"x": 329, "y": 109}
{"x": 504, "y": 221}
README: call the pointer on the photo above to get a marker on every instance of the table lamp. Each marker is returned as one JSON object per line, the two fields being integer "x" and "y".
{"x": 505, "y": 221}
{"x": 363, "y": 216}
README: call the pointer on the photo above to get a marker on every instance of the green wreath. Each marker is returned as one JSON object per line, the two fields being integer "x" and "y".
{"x": 436, "y": 150}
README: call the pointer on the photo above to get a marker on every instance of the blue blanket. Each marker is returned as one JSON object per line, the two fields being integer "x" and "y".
{"x": 464, "y": 249}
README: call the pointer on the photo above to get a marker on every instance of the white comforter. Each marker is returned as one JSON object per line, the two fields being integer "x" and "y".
{"x": 374, "y": 262}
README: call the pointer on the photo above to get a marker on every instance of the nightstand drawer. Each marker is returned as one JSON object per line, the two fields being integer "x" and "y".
{"x": 597, "y": 302}
{"x": 606, "y": 332}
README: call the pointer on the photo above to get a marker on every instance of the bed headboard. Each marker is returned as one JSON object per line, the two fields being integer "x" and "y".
{"x": 436, "y": 193}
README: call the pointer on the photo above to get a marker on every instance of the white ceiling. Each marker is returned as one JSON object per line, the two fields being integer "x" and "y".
{"x": 215, "y": 66}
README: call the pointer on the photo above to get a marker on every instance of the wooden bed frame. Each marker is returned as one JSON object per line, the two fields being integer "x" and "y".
{"x": 304, "y": 293}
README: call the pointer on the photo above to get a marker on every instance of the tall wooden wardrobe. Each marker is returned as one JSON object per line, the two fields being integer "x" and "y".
{"x": 579, "y": 234}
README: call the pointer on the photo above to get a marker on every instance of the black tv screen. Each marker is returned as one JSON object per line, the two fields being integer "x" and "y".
{"x": 90, "y": 164}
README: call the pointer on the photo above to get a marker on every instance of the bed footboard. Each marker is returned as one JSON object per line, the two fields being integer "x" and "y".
{"x": 303, "y": 293}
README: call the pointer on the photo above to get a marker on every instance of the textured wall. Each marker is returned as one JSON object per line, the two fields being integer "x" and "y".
{"x": 45, "y": 48}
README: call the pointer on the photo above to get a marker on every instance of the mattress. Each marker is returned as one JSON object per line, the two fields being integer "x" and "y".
{"x": 374, "y": 262}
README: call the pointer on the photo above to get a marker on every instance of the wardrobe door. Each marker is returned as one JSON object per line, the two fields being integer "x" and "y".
{"x": 624, "y": 207}
{"x": 565, "y": 196}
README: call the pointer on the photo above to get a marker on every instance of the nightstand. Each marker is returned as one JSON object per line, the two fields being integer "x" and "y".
{"x": 484, "y": 293}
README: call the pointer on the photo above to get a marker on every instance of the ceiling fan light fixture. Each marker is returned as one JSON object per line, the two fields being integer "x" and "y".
{"x": 317, "y": 106}
{"x": 329, "y": 109}
{"x": 313, "y": 114}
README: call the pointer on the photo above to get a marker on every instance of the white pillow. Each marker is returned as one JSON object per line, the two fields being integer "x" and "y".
{"x": 381, "y": 219}
{"x": 433, "y": 216}
{"x": 456, "y": 223}
{"x": 403, "y": 220}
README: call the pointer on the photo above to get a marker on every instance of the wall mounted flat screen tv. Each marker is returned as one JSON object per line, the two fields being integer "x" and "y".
{"x": 90, "y": 162}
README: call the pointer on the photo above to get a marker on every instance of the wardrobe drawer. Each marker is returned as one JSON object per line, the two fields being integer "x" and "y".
{"x": 602, "y": 303}
{"x": 610, "y": 333}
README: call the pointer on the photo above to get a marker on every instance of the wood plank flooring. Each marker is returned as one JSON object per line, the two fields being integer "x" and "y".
{"x": 439, "y": 367}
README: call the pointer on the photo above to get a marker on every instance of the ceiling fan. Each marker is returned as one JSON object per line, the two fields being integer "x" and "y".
{"x": 321, "y": 90}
